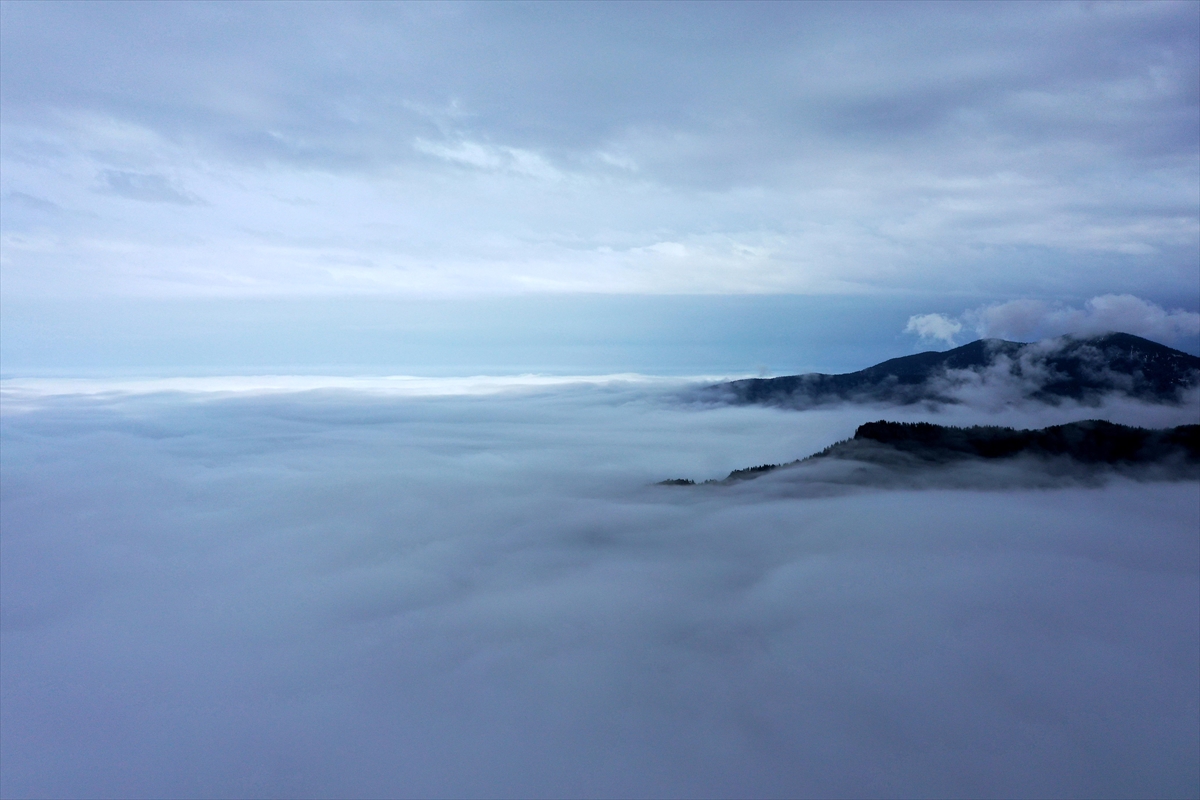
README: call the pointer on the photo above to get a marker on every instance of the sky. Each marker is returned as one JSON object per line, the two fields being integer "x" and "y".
{"x": 279, "y": 173}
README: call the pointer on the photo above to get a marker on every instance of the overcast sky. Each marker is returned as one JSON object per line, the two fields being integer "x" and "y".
{"x": 977, "y": 152}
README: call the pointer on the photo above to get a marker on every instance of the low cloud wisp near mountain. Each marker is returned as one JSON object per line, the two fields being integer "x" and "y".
{"x": 1028, "y": 319}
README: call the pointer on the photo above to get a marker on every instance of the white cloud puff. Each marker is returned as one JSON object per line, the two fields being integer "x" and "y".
{"x": 933, "y": 326}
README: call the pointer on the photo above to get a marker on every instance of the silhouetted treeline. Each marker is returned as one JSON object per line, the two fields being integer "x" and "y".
{"x": 1091, "y": 442}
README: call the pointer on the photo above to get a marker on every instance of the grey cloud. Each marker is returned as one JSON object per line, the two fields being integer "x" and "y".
{"x": 148, "y": 188}
{"x": 569, "y": 80}
{"x": 859, "y": 146}
{"x": 332, "y": 593}
{"x": 32, "y": 203}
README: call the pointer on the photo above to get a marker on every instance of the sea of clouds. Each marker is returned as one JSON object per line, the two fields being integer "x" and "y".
{"x": 298, "y": 587}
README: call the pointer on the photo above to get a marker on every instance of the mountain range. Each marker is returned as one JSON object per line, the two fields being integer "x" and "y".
{"x": 1078, "y": 368}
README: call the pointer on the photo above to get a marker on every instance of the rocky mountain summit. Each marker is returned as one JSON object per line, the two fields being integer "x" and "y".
{"x": 1081, "y": 369}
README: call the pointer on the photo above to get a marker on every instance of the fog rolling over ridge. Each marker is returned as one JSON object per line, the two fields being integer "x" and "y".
{"x": 361, "y": 591}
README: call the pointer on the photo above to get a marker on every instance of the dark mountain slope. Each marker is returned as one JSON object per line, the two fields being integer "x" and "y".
{"x": 915, "y": 447}
{"x": 1136, "y": 366}
{"x": 1077, "y": 368}
{"x": 1088, "y": 442}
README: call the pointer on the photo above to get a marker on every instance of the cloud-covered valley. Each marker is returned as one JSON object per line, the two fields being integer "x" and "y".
{"x": 363, "y": 592}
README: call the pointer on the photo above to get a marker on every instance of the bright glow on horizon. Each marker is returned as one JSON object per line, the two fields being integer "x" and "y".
{"x": 17, "y": 389}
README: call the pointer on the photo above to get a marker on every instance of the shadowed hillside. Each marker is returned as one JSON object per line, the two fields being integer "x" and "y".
{"x": 1081, "y": 369}
{"x": 916, "y": 446}
{"x": 1089, "y": 442}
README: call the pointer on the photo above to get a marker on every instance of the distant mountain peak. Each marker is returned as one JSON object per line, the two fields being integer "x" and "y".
{"x": 1069, "y": 367}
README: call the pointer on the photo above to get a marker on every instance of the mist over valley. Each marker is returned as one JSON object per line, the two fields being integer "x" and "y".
{"x": 251, "y": 591}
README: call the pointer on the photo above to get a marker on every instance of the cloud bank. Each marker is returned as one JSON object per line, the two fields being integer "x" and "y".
{"x": 1020, "y": 319}
{"x": 1032, "y": 319}
{"x": 337, "y": 592}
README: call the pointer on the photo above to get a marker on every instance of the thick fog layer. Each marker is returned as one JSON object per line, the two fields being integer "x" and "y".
{"x": 358, "y": 591}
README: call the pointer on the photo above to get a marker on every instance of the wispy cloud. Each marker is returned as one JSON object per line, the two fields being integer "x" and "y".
{"x": 149, "y": 188}
{"x": 490, "y": 158}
